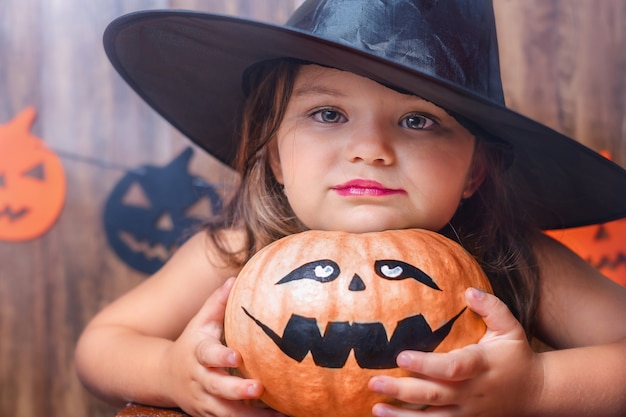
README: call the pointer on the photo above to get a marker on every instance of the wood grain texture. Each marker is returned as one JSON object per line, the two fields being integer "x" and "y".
{"x": 51, "y": 57}
{"x": 563, "y": 61}
{"x": 564, "y": 64}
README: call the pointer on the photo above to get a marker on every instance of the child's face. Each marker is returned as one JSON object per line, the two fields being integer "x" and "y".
{"x": 354, "y": 155}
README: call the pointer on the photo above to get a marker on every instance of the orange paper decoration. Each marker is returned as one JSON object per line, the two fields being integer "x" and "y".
{"x": 32, "y": 181}
{"x": 601, "y": 245}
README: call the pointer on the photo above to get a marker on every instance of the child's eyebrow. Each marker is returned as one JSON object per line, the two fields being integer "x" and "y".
{"x": 312, "y": 90}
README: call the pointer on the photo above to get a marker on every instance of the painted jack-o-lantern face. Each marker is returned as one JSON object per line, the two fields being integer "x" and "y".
{"x": 32, "y": 181}
{"x": 153, "y": 209}
{"x": 315, "y": 315}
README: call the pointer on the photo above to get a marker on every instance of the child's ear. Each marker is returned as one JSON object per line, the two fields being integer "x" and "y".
{"x": 274, "y": 161}
{"x": 475, "y": 178}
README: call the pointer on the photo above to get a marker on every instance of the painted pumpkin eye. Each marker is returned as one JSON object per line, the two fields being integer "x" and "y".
{"x": 37, "y": 172}
{"x": 323, "y": 270}
{"x": 397, "y": 270}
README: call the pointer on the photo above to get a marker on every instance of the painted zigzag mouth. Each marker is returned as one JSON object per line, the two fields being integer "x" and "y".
{"x": 372, "y": 348}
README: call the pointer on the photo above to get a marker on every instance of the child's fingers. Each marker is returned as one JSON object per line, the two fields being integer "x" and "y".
{"x": 458, "y": 365}
{"x": 222, "y": 406}
{"x": 414, "y": 392}
{"x": 230, "y": 387}
{"x": 495, "y": 313}
{"x": 215, "y": 355}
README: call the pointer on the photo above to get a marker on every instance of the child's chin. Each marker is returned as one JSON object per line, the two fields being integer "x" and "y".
{"x": 374, "y": 226}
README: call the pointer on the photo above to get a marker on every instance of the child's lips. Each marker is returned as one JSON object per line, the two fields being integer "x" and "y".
{"x": 365, "y": 188}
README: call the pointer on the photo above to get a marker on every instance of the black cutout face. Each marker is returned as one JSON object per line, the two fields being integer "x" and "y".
{"x": 372, "y": 347}
{"x": 606, "y": 252}
{"x": 151, "y": 211}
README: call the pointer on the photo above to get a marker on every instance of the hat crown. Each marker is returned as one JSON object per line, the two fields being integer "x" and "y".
{"x": 454, "y": 40}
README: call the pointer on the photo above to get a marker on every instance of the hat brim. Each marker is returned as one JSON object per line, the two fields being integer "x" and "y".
{"x": 189, "y": 65}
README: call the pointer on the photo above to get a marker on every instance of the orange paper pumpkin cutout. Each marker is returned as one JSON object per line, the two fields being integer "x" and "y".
{"x": 601, "y": 245}
{"x": 32, "y": 181}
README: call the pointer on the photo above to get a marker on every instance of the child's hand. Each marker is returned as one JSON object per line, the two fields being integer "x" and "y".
{"x": 499, "y": 376}
{"x": 195, "y": 366}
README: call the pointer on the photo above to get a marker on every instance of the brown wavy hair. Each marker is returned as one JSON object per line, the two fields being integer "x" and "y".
{"x": 491, "y": 224}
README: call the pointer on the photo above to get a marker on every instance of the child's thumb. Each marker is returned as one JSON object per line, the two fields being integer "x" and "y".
{"x": 494, "y": 312}
{"x": 210, "y": 317}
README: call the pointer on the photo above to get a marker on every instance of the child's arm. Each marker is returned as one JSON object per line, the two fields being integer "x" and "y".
{"x": 159, "y": 344}
{"x": 581, "y": 311}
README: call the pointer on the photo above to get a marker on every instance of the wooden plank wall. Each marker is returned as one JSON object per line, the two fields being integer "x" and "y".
{"x": 564, "y": 63}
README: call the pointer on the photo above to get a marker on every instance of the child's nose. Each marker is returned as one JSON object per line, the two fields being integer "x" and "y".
{"x": 372, "y": 144}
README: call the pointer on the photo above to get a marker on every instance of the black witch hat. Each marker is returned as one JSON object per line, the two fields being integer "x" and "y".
{"x": 189, "y": 66}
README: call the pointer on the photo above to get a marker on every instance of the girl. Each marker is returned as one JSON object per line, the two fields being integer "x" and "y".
{"x": 366, "y": 116}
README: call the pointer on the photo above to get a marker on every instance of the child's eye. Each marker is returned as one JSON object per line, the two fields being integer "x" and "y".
{"x": 328, "y": 116}
{"x": 417, "y": 121}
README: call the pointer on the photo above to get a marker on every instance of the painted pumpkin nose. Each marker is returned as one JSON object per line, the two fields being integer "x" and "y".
{"x": 356, "y": 284}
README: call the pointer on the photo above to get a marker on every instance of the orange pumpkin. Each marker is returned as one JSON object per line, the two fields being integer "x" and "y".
{"x": 317, "y": 314}
{"x": 32, "y": 181}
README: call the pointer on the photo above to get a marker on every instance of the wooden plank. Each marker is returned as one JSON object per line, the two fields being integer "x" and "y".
{"x": 136, "y": 410}
{"x": 564, "y": 64}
